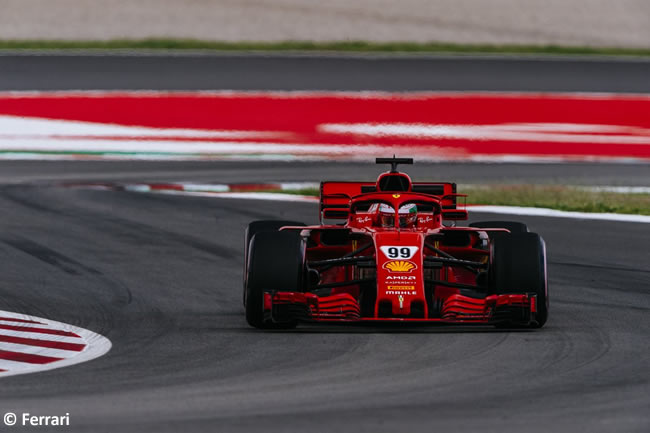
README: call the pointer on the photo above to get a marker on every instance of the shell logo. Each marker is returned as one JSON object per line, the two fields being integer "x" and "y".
{"x": 399, "y": 266}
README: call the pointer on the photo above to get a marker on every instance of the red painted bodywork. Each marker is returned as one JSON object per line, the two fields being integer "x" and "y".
{"x": 400, "y": 283}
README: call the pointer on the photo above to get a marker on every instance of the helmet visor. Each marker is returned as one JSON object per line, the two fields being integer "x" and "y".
{"x": 386, "y": 215}
{"x": 408, "y": 214}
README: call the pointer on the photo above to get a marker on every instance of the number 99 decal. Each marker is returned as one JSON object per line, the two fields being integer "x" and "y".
{"x": 399, "y": 252}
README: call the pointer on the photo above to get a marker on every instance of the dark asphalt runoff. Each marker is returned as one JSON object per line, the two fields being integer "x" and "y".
{"x": 160, "y": 276}
{"x": 330, "y": 72}
{"x": 278, "y": 171}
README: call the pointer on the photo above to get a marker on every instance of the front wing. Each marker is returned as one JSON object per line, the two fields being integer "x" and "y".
{"x": 455, "y": 309}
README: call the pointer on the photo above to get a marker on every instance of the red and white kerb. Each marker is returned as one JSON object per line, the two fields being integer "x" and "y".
{"x": 30, "y": 344}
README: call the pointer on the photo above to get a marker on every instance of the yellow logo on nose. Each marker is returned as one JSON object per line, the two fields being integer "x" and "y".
{"x": 402, "y": 288}
{"x": 399, "y": 266}
{"x": 396, "y": 196}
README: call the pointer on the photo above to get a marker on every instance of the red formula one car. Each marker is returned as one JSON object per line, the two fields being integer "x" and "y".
{"x": 393, "y": 253}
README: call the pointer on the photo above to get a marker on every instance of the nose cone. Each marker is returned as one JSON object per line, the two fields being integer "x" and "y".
{"x": 400, "y": 282}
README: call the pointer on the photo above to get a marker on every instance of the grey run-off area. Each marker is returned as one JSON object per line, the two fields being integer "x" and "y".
{"x": 620, "y": 23}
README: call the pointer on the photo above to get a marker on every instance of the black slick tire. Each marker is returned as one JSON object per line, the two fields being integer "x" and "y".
{"x": 257, "y": 227}
{"x": 276, "y": 261}
{"x": 518, "y": 265}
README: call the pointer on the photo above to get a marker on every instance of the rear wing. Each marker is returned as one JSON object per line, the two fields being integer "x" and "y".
{"x": 335, "y": 196}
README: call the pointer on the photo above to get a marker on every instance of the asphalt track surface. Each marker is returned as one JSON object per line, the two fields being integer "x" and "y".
{"x": 160, "y": 276}
{"x": 588, "y": 174}
{"x": 185, "y": 71}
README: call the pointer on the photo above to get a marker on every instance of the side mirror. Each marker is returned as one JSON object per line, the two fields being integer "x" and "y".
{"x": 335, "y": 214}
{"x": 454, "y": 214}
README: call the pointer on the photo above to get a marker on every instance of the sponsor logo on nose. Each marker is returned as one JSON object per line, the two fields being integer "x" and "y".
{"x": 400, "y": 266}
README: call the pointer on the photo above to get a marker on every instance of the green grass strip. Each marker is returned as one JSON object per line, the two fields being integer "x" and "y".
{"x": 559, "y": 197}
{"x": 308, "y": 46}
{"x": 551, "y": 197}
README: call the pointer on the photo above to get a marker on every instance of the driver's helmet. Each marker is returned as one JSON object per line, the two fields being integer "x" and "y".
{"x": 408, "y": 215}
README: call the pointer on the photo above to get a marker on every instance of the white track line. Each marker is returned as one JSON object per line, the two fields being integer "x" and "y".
{"x": 42, "y": 128}
{"x": 518, "y": 132}
{"x": 509, "y": 210}
{"x": 617, "y": 189}
{"x": 39, "y": 336}
{"x": 244, "y": 195}
{"x": 543, "y": 212}
{"x": 43, "y": 144}
{"x": 9, "y": 322}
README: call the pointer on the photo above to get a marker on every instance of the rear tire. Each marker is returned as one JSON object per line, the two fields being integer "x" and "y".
{"x": 257, "y": 227}
{"x": 518, "y": 265}
{"x": 276, "y": 262}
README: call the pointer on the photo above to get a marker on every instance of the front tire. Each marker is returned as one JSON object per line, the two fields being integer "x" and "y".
{"x": 258, "y": 227}
{"x": 518, "y": 265}
{"x": 276, "y": 261}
